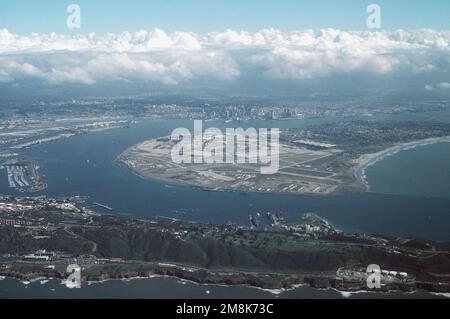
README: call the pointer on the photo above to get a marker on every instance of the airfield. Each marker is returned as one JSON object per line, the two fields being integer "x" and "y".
{"x": 301, "y": 170}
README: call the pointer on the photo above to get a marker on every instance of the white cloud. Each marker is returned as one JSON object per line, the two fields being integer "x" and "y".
{"x": 184, "y": 56}
{"x": 444, "y": 86}
{"x": 439, "y": 86}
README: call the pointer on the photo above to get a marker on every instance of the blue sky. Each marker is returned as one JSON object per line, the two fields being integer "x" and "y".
{"x": 201, "y": 16}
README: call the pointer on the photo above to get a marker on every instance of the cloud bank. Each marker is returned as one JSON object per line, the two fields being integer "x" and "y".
{"x": 184, "y": 56}
{"x": 439, "y": 86}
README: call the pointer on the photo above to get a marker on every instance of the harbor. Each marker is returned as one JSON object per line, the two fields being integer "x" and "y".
{"x": 23, "y": 176}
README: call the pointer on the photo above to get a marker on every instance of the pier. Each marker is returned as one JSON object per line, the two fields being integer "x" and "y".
{"x": 103, "y": 206}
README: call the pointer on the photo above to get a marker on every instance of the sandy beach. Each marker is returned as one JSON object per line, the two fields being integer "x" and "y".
{"x": 367, "y": 160}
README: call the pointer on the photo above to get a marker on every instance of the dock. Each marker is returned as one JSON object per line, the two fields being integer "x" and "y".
{"x": 103, "y": 206}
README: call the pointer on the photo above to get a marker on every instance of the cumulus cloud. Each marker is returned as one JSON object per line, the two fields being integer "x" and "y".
{"x": 439, "y": 86}
{"x": 183, "y": 56}
{"x": 444, "y": 86}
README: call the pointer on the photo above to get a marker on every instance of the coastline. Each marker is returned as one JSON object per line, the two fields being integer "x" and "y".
{"x": 367, "y": 160}
{"x": 123, "y": 160}
{"x": 361, "y": 164}
{"x": 275, "y": 293}
{"x": 275, "y": 278}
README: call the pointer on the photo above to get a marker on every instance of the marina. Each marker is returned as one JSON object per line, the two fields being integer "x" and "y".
{"x": 106, "y": 181}
{"x": 23, "y": 176}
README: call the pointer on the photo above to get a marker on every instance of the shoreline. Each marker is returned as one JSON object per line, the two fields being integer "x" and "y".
{"x": 361, "y": 164}
{"x": 275, "y": 293}
{"x": 274, "y": 277}
{"x": 367, "y": 160}
{"x": 177, "y": 183}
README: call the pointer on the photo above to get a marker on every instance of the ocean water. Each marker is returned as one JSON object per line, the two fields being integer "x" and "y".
{"x": 422, "y": 171}
{"x": 85, "y": 165}
{"x": 172, "y": 288}
{"x": 413, "y": 200}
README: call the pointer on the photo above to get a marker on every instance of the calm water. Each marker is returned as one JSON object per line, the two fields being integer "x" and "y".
{"x": 85, "y": 166}
{"x": 170, "y": 288}
{"x": 423, "y": 171}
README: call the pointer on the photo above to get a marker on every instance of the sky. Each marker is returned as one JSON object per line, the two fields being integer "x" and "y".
{"x": 181, "y": 42}
{"x": 202, "y": 16}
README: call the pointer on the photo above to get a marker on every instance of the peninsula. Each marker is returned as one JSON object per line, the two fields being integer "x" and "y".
{"x": 40, "y": 237}
{"x": 319, "y": 160}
